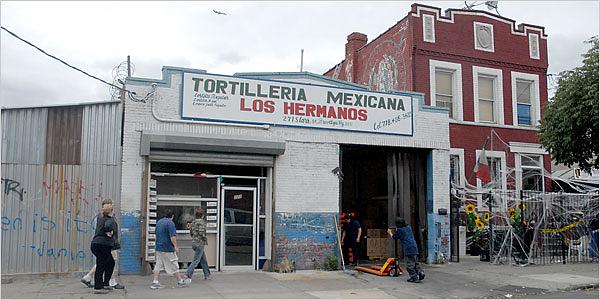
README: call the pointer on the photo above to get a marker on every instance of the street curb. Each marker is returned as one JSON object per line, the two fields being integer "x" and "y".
{"x": 582, "y": 287}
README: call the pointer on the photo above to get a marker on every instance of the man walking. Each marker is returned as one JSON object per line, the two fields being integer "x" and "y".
{"x": 411, "y": 252}
{"x": 198, "y": 233}
{"x": 166, "y": 250}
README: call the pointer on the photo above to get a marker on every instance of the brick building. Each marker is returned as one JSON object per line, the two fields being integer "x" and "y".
{"x": 273, "y": 158}
{"x": 487, "y": 71}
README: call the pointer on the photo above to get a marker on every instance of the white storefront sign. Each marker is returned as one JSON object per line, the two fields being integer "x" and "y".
{"x": 235, "y": 99}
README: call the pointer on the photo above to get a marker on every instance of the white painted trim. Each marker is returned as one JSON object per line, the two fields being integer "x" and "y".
{"x": 491, "y": 27}
{"x": 535, "y": 101}
{"x": 530, "y": 35}
{"x": 457, "y": 91}
{"x": 517, "y": 147}
{"x": 519, "y": 171}
{"x": 470, "y": 123}
{"x": 498, "y": 93}
{"x": 480, "y": 14}
{"x": 503, "y": 174}
{"x": 461, "y": 160}
{"x": 429, "y": 17}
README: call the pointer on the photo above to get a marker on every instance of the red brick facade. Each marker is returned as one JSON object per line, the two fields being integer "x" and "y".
{"x": 399, "y": 59}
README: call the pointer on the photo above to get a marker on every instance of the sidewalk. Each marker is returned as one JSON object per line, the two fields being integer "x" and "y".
{"x": 468, "y": 279}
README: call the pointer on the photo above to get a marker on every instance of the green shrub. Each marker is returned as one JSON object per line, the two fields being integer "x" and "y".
{"x": 331, "y": 263}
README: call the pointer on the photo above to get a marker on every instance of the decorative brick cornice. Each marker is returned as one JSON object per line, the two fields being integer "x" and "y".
{"x": 438, "y": 54}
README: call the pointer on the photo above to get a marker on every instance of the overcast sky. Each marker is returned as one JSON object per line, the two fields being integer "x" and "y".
{"x": 252, "y": 37}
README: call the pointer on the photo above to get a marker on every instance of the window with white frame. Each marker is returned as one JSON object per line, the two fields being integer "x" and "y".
{"x": 526, "y": 100}
{"x": 488, "y": 96}
{"x": 457, "y": 166}
{"x": 497, "y": 165}
{"x": 524, "y": 88}
{"x": 531, "y": 172}
{"x": 443, "y": 89}
{"x": 446, "y": 87}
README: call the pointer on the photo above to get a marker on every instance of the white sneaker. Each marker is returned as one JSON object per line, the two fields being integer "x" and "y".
{"x": 155, "y": 286}
{"x": 188, "y": 280}
{"x": 182, "y": 283}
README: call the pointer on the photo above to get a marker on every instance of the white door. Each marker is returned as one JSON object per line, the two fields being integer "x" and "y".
{"x": 238, "y": 230}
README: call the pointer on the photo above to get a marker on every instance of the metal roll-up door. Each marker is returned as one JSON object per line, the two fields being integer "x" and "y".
{"x": 213, "y": 158}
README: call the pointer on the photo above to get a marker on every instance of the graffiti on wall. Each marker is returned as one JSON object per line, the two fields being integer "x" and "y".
{"x": 348, "y": 71}
{"x": 384, "y": 76}
{"x": 336, "y": 72}
{"x": 38, "y": 221}
{"x": 13, "y": 188}
{"x": 305, "y": 238}
{"x": 439, "y": 238}
{"x": 49, "y": 229}
{"x": 385, "y": 65}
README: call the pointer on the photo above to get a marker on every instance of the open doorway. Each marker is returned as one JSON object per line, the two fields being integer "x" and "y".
{"x": 378, "y": 185}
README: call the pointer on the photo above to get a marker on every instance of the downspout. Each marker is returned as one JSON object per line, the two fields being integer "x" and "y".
{"x": 265, "y": 127}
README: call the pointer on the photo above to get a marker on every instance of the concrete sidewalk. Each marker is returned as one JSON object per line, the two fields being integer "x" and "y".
{"x": 468, "y": 279}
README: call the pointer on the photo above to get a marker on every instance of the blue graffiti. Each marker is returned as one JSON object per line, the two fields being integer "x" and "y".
{"x": 41, "y": 222}
{"x": 57, "y": 253}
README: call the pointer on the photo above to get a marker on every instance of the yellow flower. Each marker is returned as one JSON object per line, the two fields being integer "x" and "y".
{"x": 486, "y": 216}
{"x": 479, "y": 225}
{"x": 470, "y": 208}
{"x": 521, "y": 206}
{"x": 511, "y": 212}
{"x": 477, "y": 219}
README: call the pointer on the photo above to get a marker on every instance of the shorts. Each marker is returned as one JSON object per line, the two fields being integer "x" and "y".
{"x": 167, "y": 261}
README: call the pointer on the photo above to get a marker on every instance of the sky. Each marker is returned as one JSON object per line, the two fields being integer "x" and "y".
{"x": 253, "y": 37}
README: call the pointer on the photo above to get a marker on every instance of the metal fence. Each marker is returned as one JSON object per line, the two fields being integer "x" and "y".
{"x": 530, "y": 227}
{"x": 58, "y": 164}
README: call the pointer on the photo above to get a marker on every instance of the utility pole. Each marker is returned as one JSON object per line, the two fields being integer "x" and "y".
{"x": 128, "y": 66}
{"x": 301, "y": 59}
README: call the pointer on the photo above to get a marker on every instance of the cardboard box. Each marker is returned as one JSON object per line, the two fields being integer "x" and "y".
{"x": 377, "y": 233}
{"x": 377, "y": 247}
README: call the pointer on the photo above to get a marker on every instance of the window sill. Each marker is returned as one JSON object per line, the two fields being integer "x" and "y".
{"x": 470, "y": 123}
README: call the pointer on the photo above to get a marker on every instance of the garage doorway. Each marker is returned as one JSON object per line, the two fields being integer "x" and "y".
{"x": 379, "y": 184}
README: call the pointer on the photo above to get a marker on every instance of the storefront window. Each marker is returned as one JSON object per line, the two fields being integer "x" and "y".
{"x": 183, "y": 215}
{"x": 186, "y": 186}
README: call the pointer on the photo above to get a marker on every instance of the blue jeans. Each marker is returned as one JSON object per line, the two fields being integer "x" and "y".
{"x": 199, "y": 257}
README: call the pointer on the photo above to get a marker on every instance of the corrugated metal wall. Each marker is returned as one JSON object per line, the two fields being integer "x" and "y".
{"x": 49, "y": 209}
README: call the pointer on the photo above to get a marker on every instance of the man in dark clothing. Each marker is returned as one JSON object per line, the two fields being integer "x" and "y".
{"x": 411, "y": 252}
{"x": 101, "y": 247}
{"x": 351, "y": 233}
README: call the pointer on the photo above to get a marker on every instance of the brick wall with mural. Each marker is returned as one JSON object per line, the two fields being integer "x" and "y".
{"x": 400, "y": 58}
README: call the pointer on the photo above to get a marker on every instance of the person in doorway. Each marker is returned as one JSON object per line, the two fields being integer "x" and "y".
{"x": 403, "y": 232}
{"x": 101, "y": 247}
{"x": 351, "y": 233}
{"x": 113, "y": 282}
{"x": 166, "y": 250}
{"x": 198, "y": 234}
